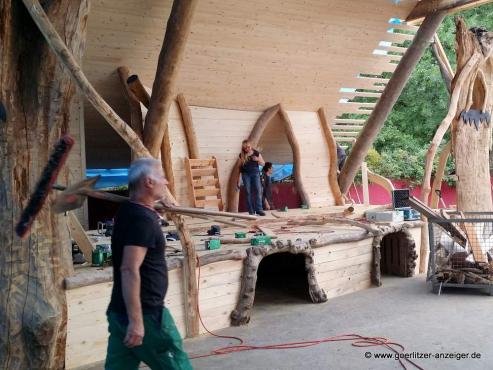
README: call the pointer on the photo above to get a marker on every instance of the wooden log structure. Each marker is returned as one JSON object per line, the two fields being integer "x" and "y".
{"x": 389, "y": 96}
{"x": 332, "y": 148}
{"x": 177, "y": 31}
{"x": 65, "y": 56}
{"x": 255, "y": 254}
{"x": 241, "y": 315}
{"x": 298, "y": 178}
{"x": 138, "y": 89}
{"x": 437, "y": 181}
{"x": 186, "y": 119}
{"x": 471, "y": 126}
{"x": 443, "y": 63}
{"x": 37, "y": 98}
{"x": 136, "y": 121}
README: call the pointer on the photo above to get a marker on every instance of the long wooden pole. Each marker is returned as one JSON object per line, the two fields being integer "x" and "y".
{"x": 133, "y": 102}
{"x": 177, "y": 31}
{"x": 332, "y": 148}
{"x": 187, "y": 121}
{"x": 389, "y": 96}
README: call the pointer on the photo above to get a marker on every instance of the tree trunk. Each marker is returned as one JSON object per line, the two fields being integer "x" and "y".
{"x": 38, "y": 96}
{"x": 471, "y": 141}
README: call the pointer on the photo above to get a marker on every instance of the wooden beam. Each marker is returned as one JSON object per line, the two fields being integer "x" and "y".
{"x": 426, "y": 7}
{"x": 177, "y": 31}
{"x": 387, "y": 100}
{"x": 332, "y": 149}
{"x": 133, "y": 102}
{"x": 186, "y": 119}
{"x": 364, "y": 181}
{"x": 443, "y": 63}
{"x": 79, "y": 235}
{"x": 138, "y": 89}
{"x": 298, "y": 178}
{"x": 437, "y": 181}
{"x": 65, "y": 56}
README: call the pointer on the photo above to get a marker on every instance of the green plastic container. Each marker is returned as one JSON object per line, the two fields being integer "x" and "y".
{"x": 212, "y": 244}
{"x": 240, "y": 235}
{"x": 97, "y": 258}
{"x": 260, "y": 240}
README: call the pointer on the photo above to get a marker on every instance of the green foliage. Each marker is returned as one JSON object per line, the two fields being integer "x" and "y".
{"x": 404, "y": 140}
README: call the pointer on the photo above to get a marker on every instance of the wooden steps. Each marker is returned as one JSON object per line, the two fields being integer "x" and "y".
{"x": 203, "y": 178}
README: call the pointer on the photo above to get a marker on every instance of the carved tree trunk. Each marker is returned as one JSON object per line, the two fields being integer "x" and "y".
{"x": 471, "y": 140}
{"x": 38, "y": 97}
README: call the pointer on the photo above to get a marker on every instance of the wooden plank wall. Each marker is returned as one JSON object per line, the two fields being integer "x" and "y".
{"x": 345, "y": 267}
{"x": 87, "y": 329}
{"x": 245, "y": 55}
{"x": 221, "y": 131}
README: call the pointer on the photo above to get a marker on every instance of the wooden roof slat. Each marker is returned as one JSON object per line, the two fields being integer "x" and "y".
{"x": 425, "y": 7}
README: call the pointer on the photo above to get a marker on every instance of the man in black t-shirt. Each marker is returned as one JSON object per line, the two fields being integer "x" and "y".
{"x": 141, "y": 328}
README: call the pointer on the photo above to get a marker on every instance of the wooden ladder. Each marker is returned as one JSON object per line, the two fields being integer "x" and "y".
{"x": 203, "y": 178}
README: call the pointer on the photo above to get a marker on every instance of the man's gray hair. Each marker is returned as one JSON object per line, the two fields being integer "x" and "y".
{"x": 140, "y": 168}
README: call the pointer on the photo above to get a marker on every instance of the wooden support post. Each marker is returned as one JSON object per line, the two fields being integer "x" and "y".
{"x": 364, "y": 180}
{"x": 138, "y": 89}
{"x": 443, "y": 63}
{"x": 298, "y": 179}
{"x": 133, "y": 102}
{"x": 167, "y": 162}
{"x": 79, "y": 235}
{"x": 390, "y": 95}
{"x": 186, "y": 119}
{"x": 38, "y": 100}
{"x": 332, "y": 148}
{"x": 177, "y": 31}
{"x": 437, "y": 181}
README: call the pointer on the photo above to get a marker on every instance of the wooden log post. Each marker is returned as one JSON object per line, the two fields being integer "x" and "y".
{"x": 386, "y": 102}
{"x": 298, "y": 178}
{"x": 241, "y": 314}
{"x": 138, "y": 89}
{"x": 471, "y": 141}
{"x": 258, "y": 129}
{"x": 443, "y": 63}
{"x": 38, "y": 98}
{"x": 187, "y": 121}
{"x": 136, "y": 121}
{"x": 437, "y": 181}
{"x": 332, "y": 148}
{"x": 177, "y": 31}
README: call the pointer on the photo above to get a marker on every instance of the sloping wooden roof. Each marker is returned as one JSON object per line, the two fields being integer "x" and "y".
{"x": 245, "y": 55}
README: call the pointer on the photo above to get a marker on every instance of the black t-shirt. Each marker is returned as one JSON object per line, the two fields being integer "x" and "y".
{"x": 250, "y": 166}
{"x": 138, "y": 225}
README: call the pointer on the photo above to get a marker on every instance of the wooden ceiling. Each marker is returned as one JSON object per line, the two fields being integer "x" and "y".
{"x": 245, "y": 55}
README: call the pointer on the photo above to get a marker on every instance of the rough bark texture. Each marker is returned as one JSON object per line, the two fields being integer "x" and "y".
{"x": 38, "y": 96}
{"x": 390, "y": 95}
{"x": 133, "y": 102}
{"x": 177, "y": 31}
{"x": 470, "y": 144}
{"x": 241, "y": 314}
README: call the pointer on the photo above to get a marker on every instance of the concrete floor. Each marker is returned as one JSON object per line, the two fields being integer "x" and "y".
{"x": 403, "y": 310}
